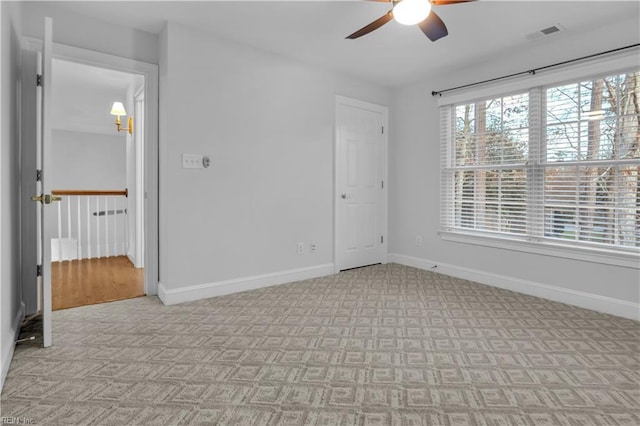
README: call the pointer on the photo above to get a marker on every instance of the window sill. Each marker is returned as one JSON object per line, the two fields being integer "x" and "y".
{"x": 547, "y": 248}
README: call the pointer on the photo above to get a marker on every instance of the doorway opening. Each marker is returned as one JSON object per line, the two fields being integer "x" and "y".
{"x": 37, "y": 128}
{"x": 97, "y": 249}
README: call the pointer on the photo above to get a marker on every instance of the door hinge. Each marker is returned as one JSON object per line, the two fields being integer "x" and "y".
{"x": 38, "y": 270}
{"x": 38, "y": 175}
{"x": 38, "y": 79}
{"x": 381, "y": 239}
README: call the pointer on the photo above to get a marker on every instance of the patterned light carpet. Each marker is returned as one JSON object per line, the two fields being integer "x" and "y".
{"x": 383, "y": 345}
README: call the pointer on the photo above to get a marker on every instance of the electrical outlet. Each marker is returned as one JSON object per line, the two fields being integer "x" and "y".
{"x": 419, "y": 241}
{"x": 300, "y": 248}
{"x": 312, "y": 248}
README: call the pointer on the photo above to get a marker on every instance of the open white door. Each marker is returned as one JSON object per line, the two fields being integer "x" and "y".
{"x": 45, "y": 198}
{"x": 360, "y": 190}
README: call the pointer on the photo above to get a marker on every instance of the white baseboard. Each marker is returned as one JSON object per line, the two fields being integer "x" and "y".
{"x": 596, "y": 302}
{"x": 236, "y": 285}
{"x": 10, "y": 346}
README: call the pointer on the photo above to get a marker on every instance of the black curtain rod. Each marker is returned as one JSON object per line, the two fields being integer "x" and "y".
{"x": 532, "y": 71}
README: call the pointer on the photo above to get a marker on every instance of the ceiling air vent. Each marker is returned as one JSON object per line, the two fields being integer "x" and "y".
{"x": 545, "y": 32}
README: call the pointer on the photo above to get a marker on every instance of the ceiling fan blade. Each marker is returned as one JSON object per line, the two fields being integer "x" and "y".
{"x": 446, "y": 2}
{"x": 433, "y": 27}
{"x": 372, "y": 26}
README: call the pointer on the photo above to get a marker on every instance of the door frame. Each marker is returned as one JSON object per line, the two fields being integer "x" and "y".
{"x": 383, "y": 209}
{"x": 150, "y": 74}
{"x": 139, "y": 149}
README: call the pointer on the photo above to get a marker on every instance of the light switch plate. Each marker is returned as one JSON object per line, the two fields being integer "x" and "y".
{"x": 192, "y": 161}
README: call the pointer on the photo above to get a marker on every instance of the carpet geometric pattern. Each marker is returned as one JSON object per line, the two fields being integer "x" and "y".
{"x": 382, "y": 345}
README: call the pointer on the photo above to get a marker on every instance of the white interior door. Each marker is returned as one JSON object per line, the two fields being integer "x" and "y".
{"x": 360, "y": 191}
{"x": 45, "y": 152}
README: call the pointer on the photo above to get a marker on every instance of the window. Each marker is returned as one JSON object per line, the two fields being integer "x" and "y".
{"x": 555, "y": 164}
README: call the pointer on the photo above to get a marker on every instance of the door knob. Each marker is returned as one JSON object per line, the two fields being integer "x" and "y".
{"x": 344, "y": 196}
{"x": 46, "y": 198}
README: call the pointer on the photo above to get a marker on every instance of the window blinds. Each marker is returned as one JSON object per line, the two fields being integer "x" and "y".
{"x": 592, "y": 160}
{"x": 557, "y": 163}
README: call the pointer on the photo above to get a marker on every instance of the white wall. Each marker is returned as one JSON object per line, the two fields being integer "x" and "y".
{"x": 268, "y": 125}
{"x": 414, "y": 197}
{"x": 89, "y": 33}
{"x": 88, "y": 160}
{"x": 11, "y": 311}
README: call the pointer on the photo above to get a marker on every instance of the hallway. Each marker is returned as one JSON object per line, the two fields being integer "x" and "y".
{"x": 90, "y": 281}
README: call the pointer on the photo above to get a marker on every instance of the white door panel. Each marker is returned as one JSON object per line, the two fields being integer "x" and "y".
{"x": 369, "y": 227}
{"x": 360, "y": 197}
{"x": 352, "y": 213}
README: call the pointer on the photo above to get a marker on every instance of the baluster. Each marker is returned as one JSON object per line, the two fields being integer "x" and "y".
{"x": 106, "y": 226}
{"x": 125, "y": 226}
{"x": 68, "y": 242}
{"x": 88, "y": 227}
{"x": 125, "y": 215}
{"x": 98, "y": 227}
{"x": 68, "y": 203}
{"x": 125, "y": 218}
{"x": 79, "y": 248}
{"x": 60, "y": 231}
{"x": 115, "y": 226}
{"x": 112, "y": 244}
{"x": 120, "y": 228}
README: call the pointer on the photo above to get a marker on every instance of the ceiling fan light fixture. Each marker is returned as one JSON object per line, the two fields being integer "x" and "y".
{"x": 410, "y": 12}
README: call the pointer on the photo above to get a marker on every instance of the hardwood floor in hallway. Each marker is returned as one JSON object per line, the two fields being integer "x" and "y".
{"x": 90, "y": 281}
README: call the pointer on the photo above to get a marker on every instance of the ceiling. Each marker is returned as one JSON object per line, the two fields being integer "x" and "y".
{"x": 314, "y": 31}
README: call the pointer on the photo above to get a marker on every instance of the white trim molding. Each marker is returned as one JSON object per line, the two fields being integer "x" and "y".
{"x": 596, "y": 302}
{"x": 548, "y": 248}
{"x": 9, "y": 347}
{"x": 236, "y": 285}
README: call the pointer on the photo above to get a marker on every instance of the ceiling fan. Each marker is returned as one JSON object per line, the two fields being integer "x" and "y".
{"x": 411, "y": 12}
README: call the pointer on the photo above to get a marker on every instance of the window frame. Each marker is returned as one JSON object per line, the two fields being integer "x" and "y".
{"x": 534, "y": 240}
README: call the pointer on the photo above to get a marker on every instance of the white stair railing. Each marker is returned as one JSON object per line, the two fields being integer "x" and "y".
{"x": 90, "y": 224}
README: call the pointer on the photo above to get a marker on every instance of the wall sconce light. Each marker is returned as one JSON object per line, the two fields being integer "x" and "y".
{"x": 118, "y": 109}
